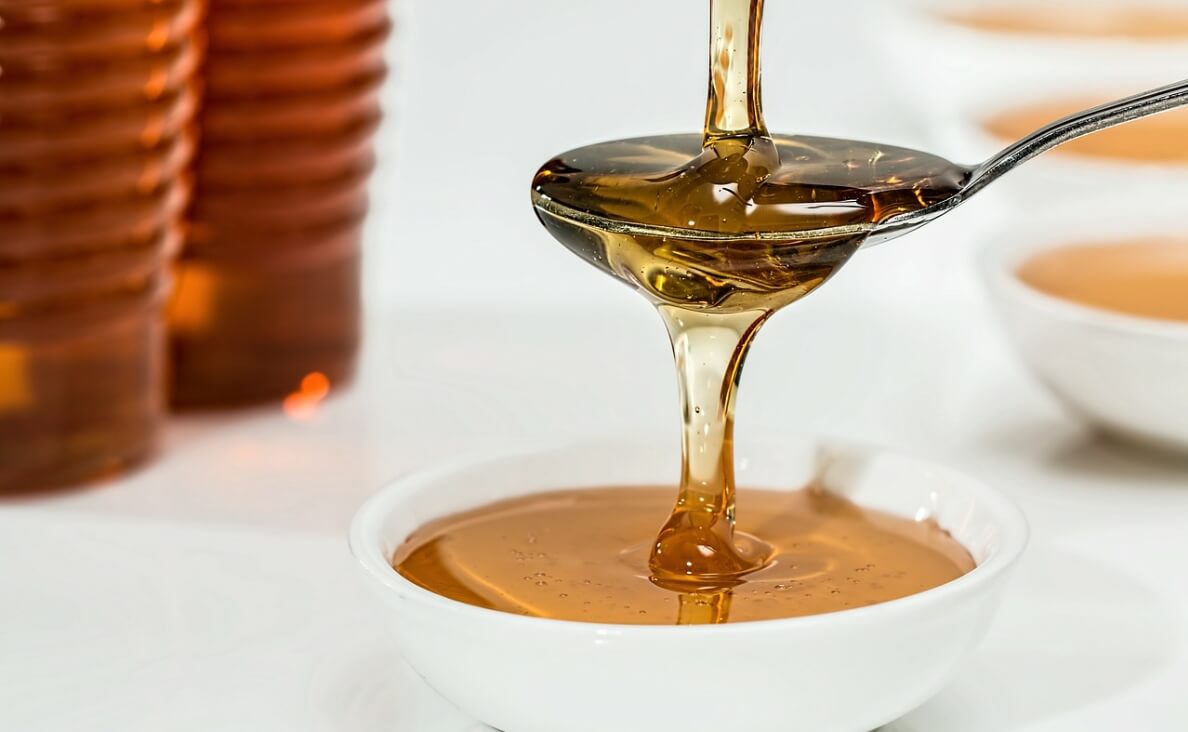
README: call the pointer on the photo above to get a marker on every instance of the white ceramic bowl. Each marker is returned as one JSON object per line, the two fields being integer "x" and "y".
{"x": 1127, "y": 375}
{"x": 948, "y": 64}
{"x": 956, "y": 77}
{"x": 848, "y": 671}
{"x": 1059, "y": 175}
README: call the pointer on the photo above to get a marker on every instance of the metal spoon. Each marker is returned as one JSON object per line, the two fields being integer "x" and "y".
{"x": 1044, "y": 139}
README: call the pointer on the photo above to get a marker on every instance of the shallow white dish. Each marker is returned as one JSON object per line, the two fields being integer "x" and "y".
{"x": 973, "y": 74}
{"x": 1127, "y": 375}
{"x": 849, "y": 671}
{"x": 965, "y": 63}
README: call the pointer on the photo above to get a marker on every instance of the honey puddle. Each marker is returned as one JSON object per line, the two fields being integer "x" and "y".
{"x": 1144, "y": 278}
{"x": 583, "y": 555}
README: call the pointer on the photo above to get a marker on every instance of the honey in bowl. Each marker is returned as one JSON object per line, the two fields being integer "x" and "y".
{"x": 1144, "y": 278}
{"x": 1111, "y": 21}
{"x": 1158, "y": 139}
{"x": 583, "y": 555}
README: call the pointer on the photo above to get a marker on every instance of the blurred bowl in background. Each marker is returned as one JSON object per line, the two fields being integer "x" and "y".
{"x": 1123, "y": 373}
{"x": 962, "y": 60}
{"x": 1147, "y": 157}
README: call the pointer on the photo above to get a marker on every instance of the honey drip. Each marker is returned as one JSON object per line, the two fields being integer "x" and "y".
{"x": 719, "y": 231}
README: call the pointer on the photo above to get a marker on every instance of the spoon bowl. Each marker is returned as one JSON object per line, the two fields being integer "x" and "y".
{"x": 887, "y": 192}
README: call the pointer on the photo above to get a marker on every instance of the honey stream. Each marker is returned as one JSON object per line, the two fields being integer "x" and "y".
{"x": 719, "y": 231}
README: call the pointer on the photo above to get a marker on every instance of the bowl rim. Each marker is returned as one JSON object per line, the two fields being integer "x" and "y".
{"x": 1007, "y": 246}
{"x": 365, "y": 533}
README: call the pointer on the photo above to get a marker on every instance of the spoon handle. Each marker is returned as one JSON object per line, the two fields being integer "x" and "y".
{"x": 1074, "y": 126}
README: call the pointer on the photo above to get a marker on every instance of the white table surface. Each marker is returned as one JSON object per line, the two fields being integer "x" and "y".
{"x": 213, "y": 590}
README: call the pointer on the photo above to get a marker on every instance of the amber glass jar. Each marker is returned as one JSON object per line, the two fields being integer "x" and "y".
{"x": 96, "y": 105}
{"x": 268, "y": 284}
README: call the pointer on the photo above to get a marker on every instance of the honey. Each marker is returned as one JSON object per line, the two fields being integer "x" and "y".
{"x": 1147, "y": 278}
{"x": 719, "y": 231}
{"x": 1115, "y": 20}
{"x": 583, "y": 555}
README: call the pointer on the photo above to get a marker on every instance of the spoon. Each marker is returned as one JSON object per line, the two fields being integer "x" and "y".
{"x": 1061, "y": 131}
